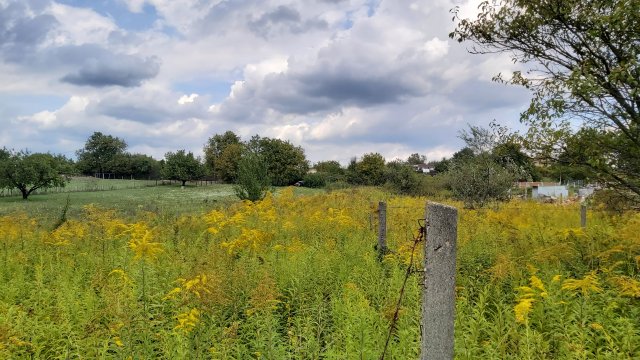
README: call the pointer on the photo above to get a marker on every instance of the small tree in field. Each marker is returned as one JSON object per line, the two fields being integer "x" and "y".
{"x": 485, "y": 170}
{"x": 480, "y": 180}
{"x": 30, "y": 172}
{"x": 253, "y": 180}
{"x": 182, "y": 166}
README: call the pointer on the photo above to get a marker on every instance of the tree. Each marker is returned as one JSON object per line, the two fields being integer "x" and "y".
{"x": 253, "y": 181}
{"x": 584, "y": 66}
{"x": 440, "y": 167}
{"x": 330, "y": 167}
{"x": 371, "y": 169}
{"x": 182, "y": 166}
{"x": 463, "y": 154}
{"x": 480, "y": 139}
{"x": 285, "y": 162}
{"x": 30, "y": 172}
{"x": 402, "y": 178}
{"x": 330, "y": 171}
{"x": 228, "y": 163}
{"x": 416, "y": 159}
{"x": 510, "y": 154}
{"x": 480, "y": 180}
{"x": 214, "y": 151}
{"x": 99, "y": 153}
{"x": 143, "y": 166}
{"x": 351, "y": 174}
{"x": 485, "y": 170}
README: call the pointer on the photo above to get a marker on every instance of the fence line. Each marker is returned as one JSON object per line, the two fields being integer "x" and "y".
{"x": 102, "y": 186}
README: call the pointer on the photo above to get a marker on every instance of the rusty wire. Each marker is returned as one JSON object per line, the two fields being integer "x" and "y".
{"x": 422, "y": 233}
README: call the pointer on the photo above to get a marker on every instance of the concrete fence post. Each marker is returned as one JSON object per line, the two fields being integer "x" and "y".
{"x": 382, "y": 229}
{"x": 438, "y": 298}
{"x": 583, "y": 216}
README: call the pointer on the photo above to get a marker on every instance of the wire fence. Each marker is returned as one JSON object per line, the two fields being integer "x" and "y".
{"x": 90, "y": 184}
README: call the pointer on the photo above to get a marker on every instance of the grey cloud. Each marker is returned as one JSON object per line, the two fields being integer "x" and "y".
{"x": 326, "y": 87}
{"x": 114, "y": 70}
{"x": 20, "y": 32}
{"x": 149, "y": 108}
{"x": 364, "y": 90}
{"x": 23, "y": 31}
{"x": 280, "y": 15}
{"x": 284, "y": 18}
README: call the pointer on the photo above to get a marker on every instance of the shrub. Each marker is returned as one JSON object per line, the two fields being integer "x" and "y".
{"x": 402, "y": 178}
{"x": 316, "y": 180}
{"x": 253, "y": 180}
{"x": 480, "y": 180}
{"x": 434, "y": 186}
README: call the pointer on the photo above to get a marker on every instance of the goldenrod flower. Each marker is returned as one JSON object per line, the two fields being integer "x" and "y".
{"x": 187, "y": 321}
{"x": 537, "y": 283}
{"x": 118, "y": 341}
{"x": 141, "y": 243}
{"x": 627, "y": 286}
{"x": 522, "y": 309}
{"x": 585, "y": 285}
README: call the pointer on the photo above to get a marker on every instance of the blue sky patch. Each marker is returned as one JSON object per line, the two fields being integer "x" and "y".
{"x": 119, "y": 12}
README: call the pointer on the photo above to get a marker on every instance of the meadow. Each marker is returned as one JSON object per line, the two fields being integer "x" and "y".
{"x": 142, "y": 273}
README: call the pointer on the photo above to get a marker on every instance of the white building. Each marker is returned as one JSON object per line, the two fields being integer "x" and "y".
{"x": 550, "y": 191}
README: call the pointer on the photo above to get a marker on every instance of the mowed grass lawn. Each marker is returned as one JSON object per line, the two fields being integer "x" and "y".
{"x": 127, "y": 197}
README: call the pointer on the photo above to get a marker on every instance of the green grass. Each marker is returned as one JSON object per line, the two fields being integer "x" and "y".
{"x": 81, "y": 184}
{"x": 161, "y": 199}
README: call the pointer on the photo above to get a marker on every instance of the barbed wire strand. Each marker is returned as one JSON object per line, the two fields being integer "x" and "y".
{"x": 417, "y": 240}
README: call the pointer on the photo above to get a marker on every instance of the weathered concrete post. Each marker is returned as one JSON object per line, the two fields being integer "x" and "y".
{"x": 382, "y": 229}
{"x": 438, "y": 298}
{"x": 583, "y": 216}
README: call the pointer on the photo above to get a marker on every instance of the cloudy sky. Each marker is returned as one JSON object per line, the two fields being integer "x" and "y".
{"x": 339, "y": 77}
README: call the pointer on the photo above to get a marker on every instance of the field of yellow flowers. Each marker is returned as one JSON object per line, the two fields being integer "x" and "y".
{"x": 299, "y": 278}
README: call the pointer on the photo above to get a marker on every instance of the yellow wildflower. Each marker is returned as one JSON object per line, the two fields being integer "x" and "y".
{"x": 141, "y": 243}
{"x": 585, "y": 285}
{"x": 173, "y": 293}
{"x": 187, "y": 321}
{"x": 197, "y": 285}
{"x": 627, "y": 286}
{"x": 522, "y": 310}
{"x": 118, "y": 341}
{"x": 537, "y": 283}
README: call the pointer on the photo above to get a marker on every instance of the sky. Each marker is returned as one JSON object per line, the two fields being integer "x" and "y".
{"x": 341, "y": 78}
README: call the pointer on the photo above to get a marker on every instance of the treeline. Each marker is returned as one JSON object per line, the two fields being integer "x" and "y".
{"x": 480, "y": 172}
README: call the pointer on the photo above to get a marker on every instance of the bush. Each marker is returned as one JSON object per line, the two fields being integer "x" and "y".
{"x": 480, "y": 180}
{"x": 316, "y": 180}
{"x": 253, "y": 178}
{"x": 402, "y": 178}
{"x": 434, "y": 186}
